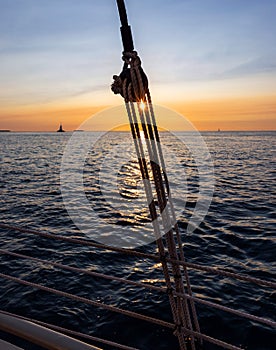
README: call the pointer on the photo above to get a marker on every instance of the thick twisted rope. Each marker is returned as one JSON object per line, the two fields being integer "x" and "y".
{"x": 147, "y": 185}
{"x": 192, "y": 333}
{"x": 137, "y": 84}
{"x": 141, "y": 285}
{"x": 115, "y": 309}
{"x": 89, "y": 301}
{"x": 142, "y": 255}
{"x": 132, "y": 86}
{"x": 118, "y": 310}
{"x": 151, "y": 121}
{"x": 162, "y": 201}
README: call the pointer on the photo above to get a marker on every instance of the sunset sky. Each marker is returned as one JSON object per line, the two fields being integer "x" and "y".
{"x": 213, "y": 61}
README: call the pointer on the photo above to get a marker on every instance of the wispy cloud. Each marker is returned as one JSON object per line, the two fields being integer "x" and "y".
{"x": 261, "y": 64}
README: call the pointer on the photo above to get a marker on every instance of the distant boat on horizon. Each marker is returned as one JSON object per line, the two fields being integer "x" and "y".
{"x": 218, "y": 129}
{"x": 4, "y": 130}
{"x": 60, "y": 128}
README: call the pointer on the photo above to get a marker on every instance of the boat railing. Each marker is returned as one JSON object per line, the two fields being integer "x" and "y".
{"x": 38, "y": 334}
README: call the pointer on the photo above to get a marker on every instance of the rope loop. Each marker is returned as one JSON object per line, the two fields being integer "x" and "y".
{"x": 132, "y": 82}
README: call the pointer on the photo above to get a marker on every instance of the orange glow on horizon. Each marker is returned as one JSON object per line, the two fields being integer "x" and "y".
{"x": 254, "y": 113}
{"x": 47, "y": 119}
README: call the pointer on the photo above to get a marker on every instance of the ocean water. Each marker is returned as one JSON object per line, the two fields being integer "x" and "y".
{"x": 237, "y": 234}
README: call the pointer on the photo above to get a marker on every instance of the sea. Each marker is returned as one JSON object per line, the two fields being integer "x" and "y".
{"x": 237, "y": 234}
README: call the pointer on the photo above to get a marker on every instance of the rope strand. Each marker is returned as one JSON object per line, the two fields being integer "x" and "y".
{"x": 147, "y": 185}
{"x": 89, "y": 301}
{"x": 133, "y": 86}
{"x": 135, "y": 253}
{"x": 121, "y": 311}
{"x": 143, "y": 285}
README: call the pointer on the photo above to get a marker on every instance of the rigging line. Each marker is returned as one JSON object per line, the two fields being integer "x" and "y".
{"x": 69, "y": 331}
{"x": 163, "y": 165}
{"x": 162, "y": 202}
{"x": 154, "y": 257}
{"x": 224, "y": 273}
{"x": 122, "y": 12}
{"x": 151, "y": 121}
{"x": 87, "y": 272}
{"x": 147, "y": 184}
{"x": 144, "y": 285}
{"x": 160, "y": 191}
{"x": 143, "y": 168}
{"x": 182, "y": 316}
{"x": 213, "y": 340}
{"x": 136, "y": 134}
{"x": 90, "y": 302}
{"x": 82, "y": 242}
{"x": 118, "y": 310}
{"x": 138, "y": 85}
{"x": 107, "y": 342}
{"x": 233, "y": 311}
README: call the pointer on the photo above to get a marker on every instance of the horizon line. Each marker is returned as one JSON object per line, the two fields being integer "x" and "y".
{"x": 7, "y": 131}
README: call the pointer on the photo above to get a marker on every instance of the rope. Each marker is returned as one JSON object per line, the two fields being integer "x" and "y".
{"x": 155, "y": 154}
{"x": 152, "y": 121}
{"x": 118, "y": 310}
{"x": 81, "y": 242}
{"x": 87, "y": 272}
{"x": 254, "y": 318}
{"x": 181, "y": 317}
{"x": 132, "y": 93}
{"x": 233, "y": 311}
{"x": 213, "y": 340}
{"x": 163, "y": 200}
{"x": 147, "y": 185}
{"x": 142, "y": 285}
{"x": 90, "y": 302}
{"x": 181, "y": 311}
{"x": 138, "y": 254}
{"x": 233, "y": 275}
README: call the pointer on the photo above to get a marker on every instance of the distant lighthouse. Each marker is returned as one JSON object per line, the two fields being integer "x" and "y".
{"x": 60, "y": 128}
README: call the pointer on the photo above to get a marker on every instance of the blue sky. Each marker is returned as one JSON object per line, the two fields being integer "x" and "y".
{"x": 54, "y": 50}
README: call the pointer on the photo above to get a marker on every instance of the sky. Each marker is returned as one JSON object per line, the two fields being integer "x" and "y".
{"x": 213, "y": 61}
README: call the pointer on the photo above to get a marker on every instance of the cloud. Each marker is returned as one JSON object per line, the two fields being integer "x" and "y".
{"x": 261, "y": 64}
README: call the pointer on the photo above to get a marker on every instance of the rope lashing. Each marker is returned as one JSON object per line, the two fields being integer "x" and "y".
{"x": 132, "y": 83}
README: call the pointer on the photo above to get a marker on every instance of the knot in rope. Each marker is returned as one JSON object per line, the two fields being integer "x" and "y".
{"x": 132, "y": 83}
